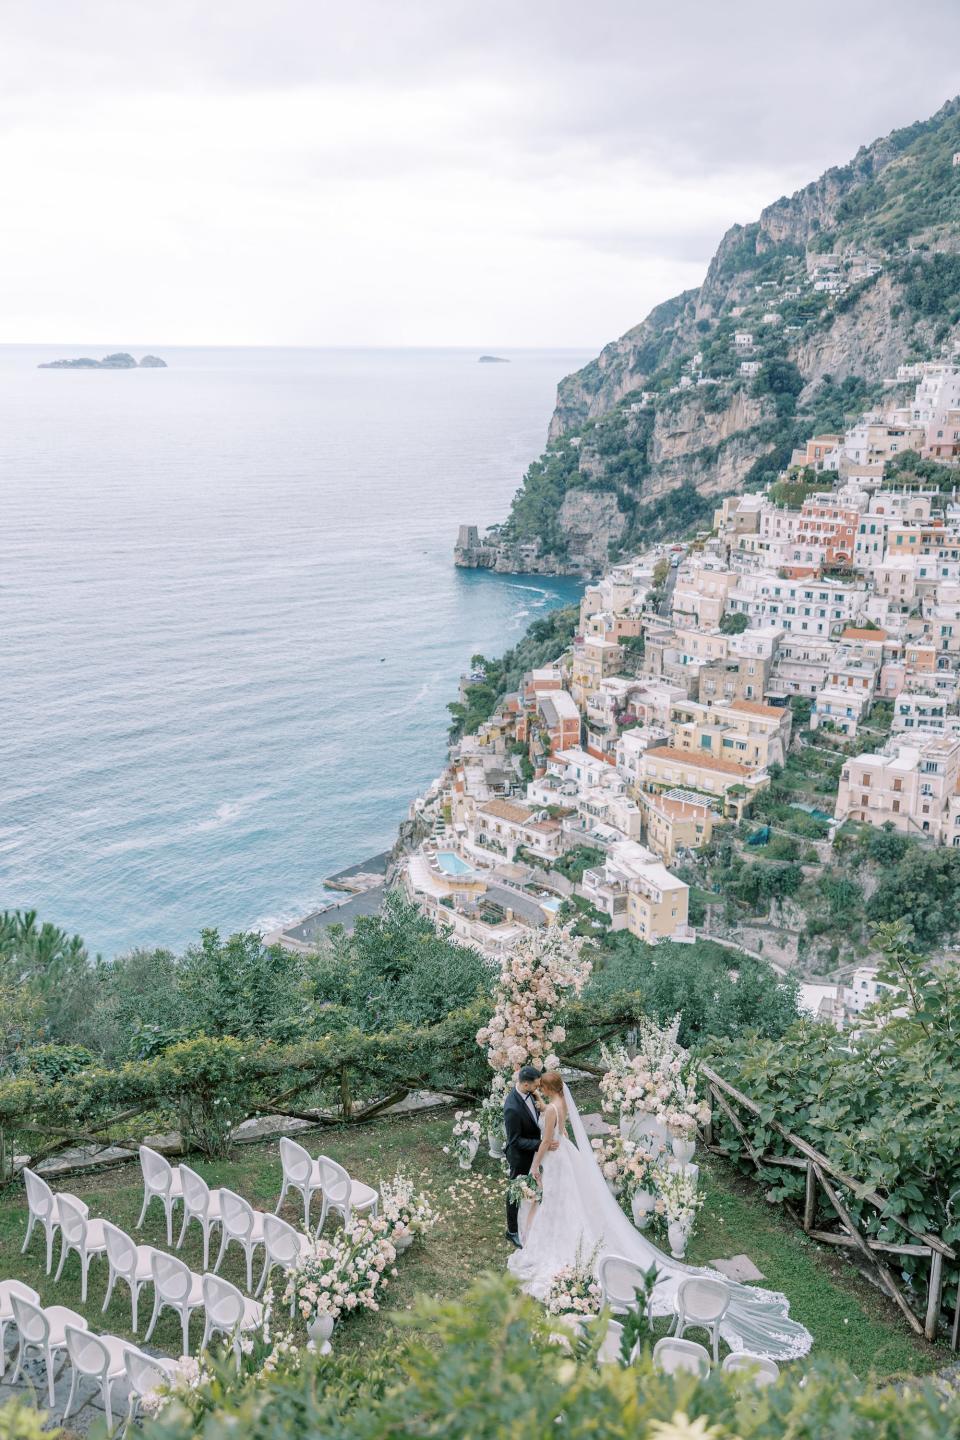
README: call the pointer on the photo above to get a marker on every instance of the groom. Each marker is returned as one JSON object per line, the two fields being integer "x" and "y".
{"x": 521, "y": 1121}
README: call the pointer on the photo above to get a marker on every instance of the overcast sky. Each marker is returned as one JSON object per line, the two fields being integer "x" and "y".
{"x": 418, "y": 171}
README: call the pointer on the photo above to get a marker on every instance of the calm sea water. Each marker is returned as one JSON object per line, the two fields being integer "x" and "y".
{"x": 230, "y": 622}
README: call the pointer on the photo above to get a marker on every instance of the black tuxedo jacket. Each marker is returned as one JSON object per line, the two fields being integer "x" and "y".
{"x": 523, "y": 1134}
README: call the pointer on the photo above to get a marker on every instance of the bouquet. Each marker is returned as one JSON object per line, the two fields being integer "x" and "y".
{"x": 466, "y": 1137}
{"x": 342, "y": 1274}
{"x": 523, "y": 1189}
{"x": 405, "y": 1212}
{"x": 575, "y": 1290}
{"x": 686, "y": 1112}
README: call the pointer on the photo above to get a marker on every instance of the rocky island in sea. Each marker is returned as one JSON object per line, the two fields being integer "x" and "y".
{"x": 120, "y": 361}
{"x": 493, "y": 360}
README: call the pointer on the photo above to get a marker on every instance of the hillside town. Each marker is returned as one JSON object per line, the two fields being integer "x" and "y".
{"x": 827, "y": 603}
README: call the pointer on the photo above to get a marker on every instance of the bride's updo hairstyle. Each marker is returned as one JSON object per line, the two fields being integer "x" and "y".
{"x": 552, "y": 1082}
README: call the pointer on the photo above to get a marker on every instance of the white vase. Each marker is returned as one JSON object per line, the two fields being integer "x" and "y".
{"x": 642, "y": 1206}
{"x": 683, "y": 1148}
{"x": 320, "y": 1328}
{"x": 678, "y": 1233}
{"x": 495, "y": 1148}
{"x": 467, "y": 1161}
{"x": 402, "y": 1242}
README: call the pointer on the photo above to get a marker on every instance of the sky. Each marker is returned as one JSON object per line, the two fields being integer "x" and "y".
{"x": 418, "y": 172}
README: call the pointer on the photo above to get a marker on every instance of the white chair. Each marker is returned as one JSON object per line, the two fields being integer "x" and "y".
{"x": 9, "y": 1288}
{"x": 301, "y": 1173}
{"x": 99, "y": 1357}
{"x": 78, "y": 1232}
{"x": 241, "y": 1223}
{"x": 701, "y": 1305}
{"x": 610, "y": 1347}
{"x": 620, "y": 1279}
{"x": 128, "y": 1261}
{"x": 282, "y": 1246}
{"x": 145, "y": 1373}
{"x": 43, "y": 1330}
{"x": 756, "y": 1367}
{"x": 229, "y": 1312}
{"x": 44, "y": 1210}
{"x": 174, "y": 1286}
{"x": 672, "y": 1356}
{"x": 200, "y": 1203}
{"x": 348, "y": 1197}
{"x": 161, "y": 1181}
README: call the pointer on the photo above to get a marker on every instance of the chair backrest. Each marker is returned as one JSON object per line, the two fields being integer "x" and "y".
{"x": 223, "y": 1302}
{"x": 9, "y": 1288}
{"x": 171, "y": 1276}
{"x": 157, "y": 1172}
{"x": 121, "y": 1250}
{"x": 236, "y": 1213}
{"x": 700, "y": 1298}
{"x": 762, "y": 1371}
{"x": 144, "y": 1373}
{"x": 30, "y": 1320}
{"x": 609, "y": 1351}
{"x": 87, "y": 1351}
{"x": 296, "y": 1161}
{"x": 39, "y": 1194}
{"x": 73, "y": 1218}
{"x": 196, "y": 1191}
{"x": 281, "y": 1241}
{"x": 334, "y": 1179}
{"x": 671, "y": 1355}
{"x": 620, "y": 1279}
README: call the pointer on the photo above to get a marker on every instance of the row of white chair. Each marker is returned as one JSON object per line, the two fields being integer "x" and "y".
{"x": 54, "y": 1328}
{"x": 130, "y": 1262}
{"x": 671, "y": 1356}
{"x": 173, "y": 1184}
{"x": 701, "y": 1303}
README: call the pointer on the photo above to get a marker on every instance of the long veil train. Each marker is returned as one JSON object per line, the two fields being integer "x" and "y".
{"x": 756, "y": 1320}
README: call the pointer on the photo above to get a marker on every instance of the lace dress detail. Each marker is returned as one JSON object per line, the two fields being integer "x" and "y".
{"x": 579, "y": 1215}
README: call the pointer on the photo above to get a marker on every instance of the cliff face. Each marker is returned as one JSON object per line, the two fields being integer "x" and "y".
{"x": 834, "y": 286}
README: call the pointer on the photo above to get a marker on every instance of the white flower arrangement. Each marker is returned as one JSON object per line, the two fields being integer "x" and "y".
{"x": 660, "y": 1080}
{"x": 575, "y": 1290}
{"x": 678, "y": 1191}
{"x": 466, "y": 1137}
{"x": 405, "y": 1211}
{"x": 537, "y": 977}
{"x": 492, "y": 1108}
{"x": 342, "y": 1274}
{"x": 628, "y": 1166}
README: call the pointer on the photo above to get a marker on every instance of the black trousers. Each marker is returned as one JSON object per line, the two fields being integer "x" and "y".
{"x": 520, "y": 1166}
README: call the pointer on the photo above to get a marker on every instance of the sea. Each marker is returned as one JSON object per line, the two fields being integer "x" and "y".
{"x": 230, "y": 622}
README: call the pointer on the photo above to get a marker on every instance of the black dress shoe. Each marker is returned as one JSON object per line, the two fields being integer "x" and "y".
{"x": 514, "y": 1240}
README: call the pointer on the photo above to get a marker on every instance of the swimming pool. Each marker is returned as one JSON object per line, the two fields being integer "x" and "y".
{"x": 451, "y": 864}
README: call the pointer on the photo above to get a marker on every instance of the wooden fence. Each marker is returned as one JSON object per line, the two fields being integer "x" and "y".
{"x": 823, "y": 1176}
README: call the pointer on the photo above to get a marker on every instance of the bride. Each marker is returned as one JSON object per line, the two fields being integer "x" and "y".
{"x": 578, "y": 1215}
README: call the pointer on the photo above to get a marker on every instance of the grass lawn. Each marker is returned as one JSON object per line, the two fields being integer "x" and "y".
{"x": 849, "y": 1319}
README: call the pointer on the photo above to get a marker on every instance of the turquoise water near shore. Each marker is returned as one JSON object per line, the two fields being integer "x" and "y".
{"x": 229, "y": 618}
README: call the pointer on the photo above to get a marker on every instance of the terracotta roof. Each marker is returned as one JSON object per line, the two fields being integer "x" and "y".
{"x": 699, "y": 759}
{"x": 852, "y": 633}
{"x": 755, "y": 707}
{"x": 506, "y": 810}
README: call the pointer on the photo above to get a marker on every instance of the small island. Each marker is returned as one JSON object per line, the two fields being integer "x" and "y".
{"x": 493, "y": 360}
{"x": 120, "y": 361}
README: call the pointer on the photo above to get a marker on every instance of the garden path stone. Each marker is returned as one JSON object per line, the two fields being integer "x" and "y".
{"x": 595, "y": 1124}
{"x": 738, "y": 1267}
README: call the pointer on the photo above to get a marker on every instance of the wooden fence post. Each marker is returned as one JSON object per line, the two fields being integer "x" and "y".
{"x": 346, "y": 1104}
{"x": 810, "y": 1199}
{"x": 934, "y": 1291}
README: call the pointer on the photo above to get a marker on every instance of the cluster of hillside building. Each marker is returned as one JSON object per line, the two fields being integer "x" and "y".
{"x": 666, "y": 716}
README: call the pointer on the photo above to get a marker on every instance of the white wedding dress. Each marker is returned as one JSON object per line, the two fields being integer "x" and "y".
{"x": 579, "y": 1216}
